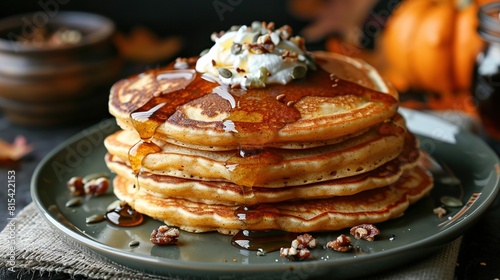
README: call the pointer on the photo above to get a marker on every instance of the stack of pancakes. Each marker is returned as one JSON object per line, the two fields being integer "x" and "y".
{"x": 225, "y": 159}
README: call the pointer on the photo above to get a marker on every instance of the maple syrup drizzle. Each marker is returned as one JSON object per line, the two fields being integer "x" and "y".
{"x": 248, "y": 214}
{"x": 152, "y": 114}
{"x": 254, "y": 110}
{"x": 124, "y": 216}
{"x": 254, "y": 161}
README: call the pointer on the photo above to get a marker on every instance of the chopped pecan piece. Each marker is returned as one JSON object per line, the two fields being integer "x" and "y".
{"x": 341, "y": 244}
{"x": 299, "y": 248}
{"x": 299, "y": 41}
{"x": 285, "y": 32}
{"x": 365, "y": 232}
{"x": 164, "y": 235}
{"x": 214, "y": 36}
{"x": 258, "y": 48}
{"x": 92, "y": 184}
{"x": 288, "y": 55}
{"x": 75, "y": 186}
{"x": 96, "y": 187}
{"x": 294, "y": 253}
{"x": 269, "y": 26}
{"x": 440, "y": 211}
{"x": 305, "y": 241}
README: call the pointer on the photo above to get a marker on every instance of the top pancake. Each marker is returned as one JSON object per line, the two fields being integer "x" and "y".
{"x": 303, "y": 113}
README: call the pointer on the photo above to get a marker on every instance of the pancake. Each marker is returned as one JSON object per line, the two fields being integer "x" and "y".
{"x": 322, "y": 107}
{"x": 230, "y": 193}
{"x": 270, "y": 167}
{"x": 371, "y": 206}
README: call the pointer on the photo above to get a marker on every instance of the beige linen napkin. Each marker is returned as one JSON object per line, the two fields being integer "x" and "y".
{"x": 39, "y": 247}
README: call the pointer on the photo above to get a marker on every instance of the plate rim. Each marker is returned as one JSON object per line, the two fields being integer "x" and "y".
{"x": 435, "y": 241}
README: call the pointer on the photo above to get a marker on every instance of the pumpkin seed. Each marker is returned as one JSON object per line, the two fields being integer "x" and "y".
{"x": 311, "y": 64}
{"x": 133, "y": 243}
{"x": 261, "y": 252}
{"x": 94, "y": 219}
{"x": 451, "y": 201}
{"x": 256, "y": 25}
{"x": 204, "y": 52}
{"x": 299, "y": 72}
{"x": 113, "y": 205}
{"x": 263, "y": 74}
{"x": 256, "y": 37}
{"x": 93, "y": 176}
{"x": 225, "y": 73}
{"x": 275, "y": 38}
{"x": 450, "y": 180}
{"x": 74, "y": 202}
{"x": 234, "y": 28}
{"x": 255, "y": 83}
{"x": 236, "y": 48}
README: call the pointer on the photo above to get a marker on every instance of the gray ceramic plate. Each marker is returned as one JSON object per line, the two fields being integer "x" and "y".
{"x": 210, "y": 255}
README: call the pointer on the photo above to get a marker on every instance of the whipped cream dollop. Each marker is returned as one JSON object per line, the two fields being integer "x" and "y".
{"x": 257, "y": 55}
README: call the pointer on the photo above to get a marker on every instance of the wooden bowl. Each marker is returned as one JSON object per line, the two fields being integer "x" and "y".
{"x": 49, "y": 82}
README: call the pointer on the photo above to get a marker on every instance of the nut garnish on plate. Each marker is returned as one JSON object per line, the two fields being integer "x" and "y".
{"x": 94, "y": 184}
{"x": 299, "y": 248}
{"x": 165, "y": 235}
{"x": 341, "y": 244}
{"x": 365, "y": 232}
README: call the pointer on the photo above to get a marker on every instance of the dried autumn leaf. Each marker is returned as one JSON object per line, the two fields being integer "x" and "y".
{"x": 145, "y": 46}
{"x": 16, "y": 150}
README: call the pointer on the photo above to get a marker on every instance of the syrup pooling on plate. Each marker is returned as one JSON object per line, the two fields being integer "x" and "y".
{"x": 265, "y": 241}
{"x": 124, "y": 216}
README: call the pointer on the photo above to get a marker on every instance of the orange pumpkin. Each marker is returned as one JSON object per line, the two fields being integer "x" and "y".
{"x": 433, "y": 44}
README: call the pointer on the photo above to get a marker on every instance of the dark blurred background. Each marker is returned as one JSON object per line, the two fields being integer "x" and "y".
{"x": 190, "y": 24}
{"x": 192, "y": 21}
